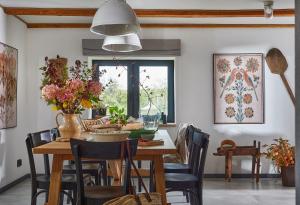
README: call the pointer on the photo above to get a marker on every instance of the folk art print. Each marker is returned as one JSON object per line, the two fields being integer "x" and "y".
{"x": 8, "y": 86}
{"x": 238, "y": 89}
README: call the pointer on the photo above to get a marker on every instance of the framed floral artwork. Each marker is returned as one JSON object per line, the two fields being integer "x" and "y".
{"x": 8, "y": 86}
{"x": 238, "y": 88}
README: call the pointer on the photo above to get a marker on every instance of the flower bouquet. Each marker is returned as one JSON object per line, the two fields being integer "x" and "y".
{"x": 70, "y": 90}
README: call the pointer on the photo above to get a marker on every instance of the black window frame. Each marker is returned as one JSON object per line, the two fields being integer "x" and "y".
{"x": 133, "y": 82}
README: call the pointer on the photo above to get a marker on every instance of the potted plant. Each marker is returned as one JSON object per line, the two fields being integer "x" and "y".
{"x": 69, "y": 94}
{"x": 283, "y": 155}
{"x": 117, "y": 115}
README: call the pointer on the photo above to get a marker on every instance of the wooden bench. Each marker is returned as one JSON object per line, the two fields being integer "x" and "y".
{"x": 233, "y": 150}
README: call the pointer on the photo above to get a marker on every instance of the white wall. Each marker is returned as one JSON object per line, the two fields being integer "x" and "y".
{"x": 194, "y": 100}
{"x": 12, "y": 141}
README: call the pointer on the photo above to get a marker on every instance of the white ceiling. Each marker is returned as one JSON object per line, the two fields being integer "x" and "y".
{"x": 156, "y": 4}
{"x": 151, "y": 4}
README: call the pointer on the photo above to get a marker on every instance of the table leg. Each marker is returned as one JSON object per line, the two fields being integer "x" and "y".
{"x": 55, "y": 180}
{"x": 160, "y": 178}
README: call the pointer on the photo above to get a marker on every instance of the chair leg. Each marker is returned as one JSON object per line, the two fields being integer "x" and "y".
{"x": 186, "y": 194}
{"x": 151, "y": 177}
{"x": 68, "y": 199}
{"x": 97, "y": 180}
{"x": 62, "y": 199}
{"x": 199, "y": 197}
{"x": 139, "y": 181}
{"x": 33, "y": 198}
{"x": 104, "y": 173}
{"x": 46, "y": 197}
{"x": 75, "y": 196}
{"x": 35, "y": 195}
{"x": 108, "y": 181}
{"x": 69, "y": 196}
{"x": 195, "y": 196}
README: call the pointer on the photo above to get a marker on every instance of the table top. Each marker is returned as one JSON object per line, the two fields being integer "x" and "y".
{"x": 64, "y": 148}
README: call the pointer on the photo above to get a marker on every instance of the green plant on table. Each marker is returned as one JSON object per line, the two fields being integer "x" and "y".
{"x": 117, "y": 115}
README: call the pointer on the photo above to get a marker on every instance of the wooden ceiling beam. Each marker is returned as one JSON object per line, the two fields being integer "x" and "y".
{"x": 86, "y": 25}
{"x": 149, "y": 12}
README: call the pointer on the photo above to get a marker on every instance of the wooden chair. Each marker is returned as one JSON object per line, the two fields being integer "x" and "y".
{"x": 42, "y": 181}
{"x": 191, "y": 182}
{"x": 90, "y": 195}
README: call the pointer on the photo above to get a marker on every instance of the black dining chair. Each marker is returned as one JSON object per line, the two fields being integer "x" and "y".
{"x": 41, "y": 182}
{"x": 97, "y": 194}
{"x": 191, "y": 182}
{"x": 96, "y": 169}
{"x": 181, "y": 167}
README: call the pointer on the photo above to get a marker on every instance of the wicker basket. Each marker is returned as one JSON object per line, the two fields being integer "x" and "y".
{"x": 130, "y": 200}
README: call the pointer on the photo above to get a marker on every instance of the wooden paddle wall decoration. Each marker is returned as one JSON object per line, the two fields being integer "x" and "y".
{"x": 278, "y": 65}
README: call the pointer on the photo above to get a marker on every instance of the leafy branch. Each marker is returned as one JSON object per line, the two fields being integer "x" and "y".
{"x": 145, "y": 89}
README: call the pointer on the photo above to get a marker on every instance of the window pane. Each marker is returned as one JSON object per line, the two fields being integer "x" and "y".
{"x": 114, "y": 80}
{"x": 153, "y": 88}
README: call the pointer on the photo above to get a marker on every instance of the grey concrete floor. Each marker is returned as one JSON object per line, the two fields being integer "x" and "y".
{"x": 216, "y": 192}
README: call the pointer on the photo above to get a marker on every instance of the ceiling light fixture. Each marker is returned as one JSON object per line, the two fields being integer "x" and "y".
{"x": 115, "y": 18}
{"x": 127, "y": 43}
{"x": 268, "y": 9}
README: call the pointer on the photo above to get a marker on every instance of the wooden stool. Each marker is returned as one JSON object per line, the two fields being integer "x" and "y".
{"x": 228, "y": 149}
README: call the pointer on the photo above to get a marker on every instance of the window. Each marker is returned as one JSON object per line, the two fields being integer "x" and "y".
{"x": 132, "y": 84}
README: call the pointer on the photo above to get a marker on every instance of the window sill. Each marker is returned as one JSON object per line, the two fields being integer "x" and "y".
{"x": 168, "y": 125}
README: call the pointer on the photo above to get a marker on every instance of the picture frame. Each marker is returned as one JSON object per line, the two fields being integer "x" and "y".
{"x": 238, "y": 88}
{"x": 8, "y": 86}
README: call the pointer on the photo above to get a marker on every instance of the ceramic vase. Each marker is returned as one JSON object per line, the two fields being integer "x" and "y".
{"x": 70, "y": 128}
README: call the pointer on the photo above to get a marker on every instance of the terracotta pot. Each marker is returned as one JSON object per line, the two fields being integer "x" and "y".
{"x": 288, "y": 176}
{"x": 71, "y": 127}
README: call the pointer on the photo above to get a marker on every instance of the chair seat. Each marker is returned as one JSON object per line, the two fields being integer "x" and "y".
{"x": 176, "y": 168}
{"x": 103, "y": 192}
{"x": 68, "y": 181}
{"x": 180, "y": 180}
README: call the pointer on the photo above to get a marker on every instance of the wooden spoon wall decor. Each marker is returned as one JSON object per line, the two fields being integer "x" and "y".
{"x": 278, "y": 65}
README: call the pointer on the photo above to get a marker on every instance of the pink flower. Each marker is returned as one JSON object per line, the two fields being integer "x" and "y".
{"x": 49, "y": 92}
{"x": 65, "y": 95}
{"x": 94, "y": 87}
{"x": 76, "y": 85}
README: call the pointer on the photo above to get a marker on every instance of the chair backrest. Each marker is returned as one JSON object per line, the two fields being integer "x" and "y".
{"x": 34, "y": 140}
{"x": 101, "y": 151}
{"x": 54, "y": 133}
{"x": 189, "y": 139}
{"x": 199, "y": 146}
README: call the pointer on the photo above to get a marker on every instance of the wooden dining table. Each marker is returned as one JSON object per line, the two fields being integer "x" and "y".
{"x": 62, "y": 151}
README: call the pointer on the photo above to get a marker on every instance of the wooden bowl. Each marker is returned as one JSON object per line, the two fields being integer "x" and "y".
{"x": 148, "y": 136}
{"x": 112, "y": 136}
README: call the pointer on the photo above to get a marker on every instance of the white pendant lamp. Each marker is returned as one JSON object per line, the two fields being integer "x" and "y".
{"x": 126, "y": 43}
{"x": 115, "y": 18}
